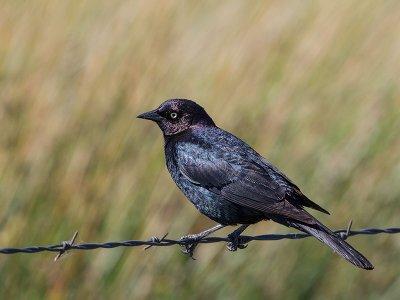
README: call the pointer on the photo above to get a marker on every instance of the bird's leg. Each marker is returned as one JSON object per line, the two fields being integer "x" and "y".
{"x": 233, "y": 237}
{"x": 194, "y": 239}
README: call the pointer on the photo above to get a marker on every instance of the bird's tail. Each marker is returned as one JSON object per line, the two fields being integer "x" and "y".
{"x": 338, "y": 245}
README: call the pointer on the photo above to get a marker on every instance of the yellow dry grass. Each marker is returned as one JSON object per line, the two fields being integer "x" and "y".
{"x": 312, "y": 85}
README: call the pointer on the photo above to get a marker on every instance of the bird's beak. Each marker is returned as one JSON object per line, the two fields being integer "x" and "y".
{"x": 150, "y": 115}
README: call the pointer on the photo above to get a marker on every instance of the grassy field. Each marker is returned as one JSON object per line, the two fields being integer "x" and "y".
{"x": 312, "y": 85}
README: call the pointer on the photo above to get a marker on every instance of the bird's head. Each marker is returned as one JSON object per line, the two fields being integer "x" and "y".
{"x": 177, "y": 115}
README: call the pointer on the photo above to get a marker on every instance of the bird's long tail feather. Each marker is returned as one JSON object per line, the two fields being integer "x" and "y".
{"x": 338, "y": 245}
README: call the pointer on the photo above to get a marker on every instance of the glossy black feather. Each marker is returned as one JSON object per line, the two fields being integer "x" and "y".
{"x": 230, "y": 169}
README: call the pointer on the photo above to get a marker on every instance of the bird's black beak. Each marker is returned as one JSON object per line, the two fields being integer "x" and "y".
{"x": 150, "y": 115}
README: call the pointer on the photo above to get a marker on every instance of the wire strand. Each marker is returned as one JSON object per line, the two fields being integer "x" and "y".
{"x": 163, "y": 242}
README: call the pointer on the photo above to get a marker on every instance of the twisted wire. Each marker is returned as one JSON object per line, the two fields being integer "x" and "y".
{"x": 163, "y": 242}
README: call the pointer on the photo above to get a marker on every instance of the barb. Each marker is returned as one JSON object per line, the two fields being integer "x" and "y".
{"x": 66, "y": 246}
{"x": 163, "y": 242}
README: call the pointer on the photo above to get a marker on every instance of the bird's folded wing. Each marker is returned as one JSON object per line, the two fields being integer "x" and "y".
{"x": 242, "y": 181}
{"x": 247, "y": 188}
{"x": 233, "y": 177}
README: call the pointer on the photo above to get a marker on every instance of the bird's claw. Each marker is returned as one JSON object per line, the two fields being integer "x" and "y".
{"x": 235, "y": 243}
{"x": 189, "y": 244}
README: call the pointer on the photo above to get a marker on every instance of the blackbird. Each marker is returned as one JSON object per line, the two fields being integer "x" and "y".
{"x": 229, "y": 182}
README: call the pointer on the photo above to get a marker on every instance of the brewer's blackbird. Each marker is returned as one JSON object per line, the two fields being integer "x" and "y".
{"x": 231, "y": 183}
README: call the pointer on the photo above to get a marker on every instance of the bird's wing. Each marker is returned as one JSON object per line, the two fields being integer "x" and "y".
{"x": 231, "y": 175}
{"x": 241, "y": 180}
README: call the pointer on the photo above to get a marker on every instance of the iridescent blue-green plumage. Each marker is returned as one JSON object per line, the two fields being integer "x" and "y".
{"x": 231, "y": 183}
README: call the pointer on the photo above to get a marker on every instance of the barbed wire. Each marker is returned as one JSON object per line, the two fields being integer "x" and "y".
{"x": 185, "y": 242}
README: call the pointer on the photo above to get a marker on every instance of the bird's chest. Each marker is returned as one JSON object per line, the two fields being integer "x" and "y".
{"x": 191, "y": 191}
{"x": 210, "y": 204}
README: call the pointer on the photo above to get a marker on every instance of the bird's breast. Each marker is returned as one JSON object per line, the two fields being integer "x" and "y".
{"x": 211, "y": 204}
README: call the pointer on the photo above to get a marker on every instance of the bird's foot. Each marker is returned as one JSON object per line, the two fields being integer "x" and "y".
{"x": 189, "y": 243}
{"x": 235, "y": 242}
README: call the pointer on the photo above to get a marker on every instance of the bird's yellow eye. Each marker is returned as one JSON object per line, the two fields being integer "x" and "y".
{"x": 174, "y": 115}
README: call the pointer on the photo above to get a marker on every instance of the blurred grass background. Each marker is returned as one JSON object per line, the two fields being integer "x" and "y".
{"x": 312, "y": 85}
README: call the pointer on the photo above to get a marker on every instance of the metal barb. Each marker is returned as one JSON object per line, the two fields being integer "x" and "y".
{"x": 155, "y": 239}
{"x": 346, "y": 234}
{"x": 66, "y": 245}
